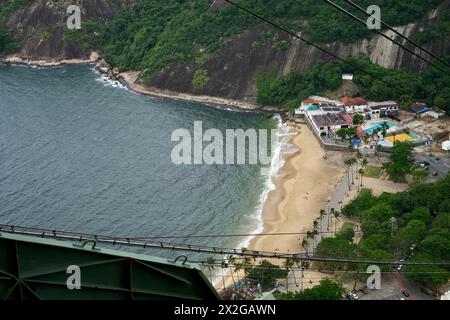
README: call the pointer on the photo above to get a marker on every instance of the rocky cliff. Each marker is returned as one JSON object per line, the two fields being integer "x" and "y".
{"x": 231, "y": 72}
{"x": 40, "y": 27}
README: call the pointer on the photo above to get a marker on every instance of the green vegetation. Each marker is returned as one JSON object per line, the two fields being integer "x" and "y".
{"x": 155, "y": 34}
{"x": 347, "y": 133}
{"x": 433, "y": 87}
{"x": 326, "y": 290}
{"x": 358, "y": 119}
{"x": 84, "y": 36}
{"x": 372, "y": 171}
{"x": 200, "y": 79}
{"x": 267, "y": 273}
{"x": 400, "y": 164}
{"x": 11, "y": 6}
{"x": 46, "y": 35}
{"x": 436, "y": 30}
{"x": 422, "y": 217}
{"x": 347, "y": 231}
{"x": 7, "y": 42}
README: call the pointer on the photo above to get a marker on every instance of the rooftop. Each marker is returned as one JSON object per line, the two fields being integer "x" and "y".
{"x": 332, "y": 119}
{"x": 358, "y": 101}
{"x": 381, "y": 105}
{"x": 419, "y": 108}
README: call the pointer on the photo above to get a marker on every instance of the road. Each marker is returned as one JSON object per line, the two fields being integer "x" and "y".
{"x": 327, "y": 224}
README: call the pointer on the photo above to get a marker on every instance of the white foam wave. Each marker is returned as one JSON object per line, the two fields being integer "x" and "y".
{"x": 107, "y": 82}
{"x": 279, "y": 148}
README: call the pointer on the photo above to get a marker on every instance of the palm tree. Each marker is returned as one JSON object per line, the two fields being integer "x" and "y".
{"x": 305, "y": 245}
{"x": 315, "y": 224}
{"x": 247, "y": 265}
{"x": 315, "y": 232}
{"x": 232, "y": 261}
{"x": 322, "y": 214}
{"x": 384, "y": 129}
{"x": 336, "y": 215}
{"x": 310, "y": 235}
{"x": 288, "y": 264}
{"x": 210, "y": 262}
{"x": 237, "y": 269}
{"x": 349, "y": 163}
{"x": 223, "y": 266}
{"x": 361, "y": 172}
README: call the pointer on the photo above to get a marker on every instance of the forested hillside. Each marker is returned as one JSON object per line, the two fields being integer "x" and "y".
{"x": 155, "y": 34}
{"x": 432, "y": 86}
{"x": 422, "y": 219}
{"x": 209, "y": 47}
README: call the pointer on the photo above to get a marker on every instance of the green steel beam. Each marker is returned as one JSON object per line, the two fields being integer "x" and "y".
{"x": 33, "y": 268}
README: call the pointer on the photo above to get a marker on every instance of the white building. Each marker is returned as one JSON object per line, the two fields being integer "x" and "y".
{"x": 354, "y": 105}
{"x": 314, "y": 102}
{"x": 347, "y": 76}
{"x": 377, "y": 109}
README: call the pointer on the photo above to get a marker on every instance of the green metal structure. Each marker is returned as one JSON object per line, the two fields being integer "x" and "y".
{"x": 33, "y": 268}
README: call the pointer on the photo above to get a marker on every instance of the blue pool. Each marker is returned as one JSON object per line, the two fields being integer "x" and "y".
{"x": 378, "y": 125}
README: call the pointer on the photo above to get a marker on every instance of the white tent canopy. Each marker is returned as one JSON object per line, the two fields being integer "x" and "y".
{"x": 446, "y": 145}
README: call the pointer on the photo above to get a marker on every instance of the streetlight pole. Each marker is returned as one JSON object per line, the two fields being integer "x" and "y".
{"x": 392, "y": 221}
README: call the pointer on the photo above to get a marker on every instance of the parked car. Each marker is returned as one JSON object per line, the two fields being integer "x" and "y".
{"x": 406, "y": 293}
{"x": 435, "y": 174}
{"x": 352, "y": 296}
{"x": 413, "y": 247}
{"x": 365, "y": 290}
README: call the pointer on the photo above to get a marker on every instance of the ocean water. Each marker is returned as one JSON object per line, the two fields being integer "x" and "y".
{"x": 81, "y": 153}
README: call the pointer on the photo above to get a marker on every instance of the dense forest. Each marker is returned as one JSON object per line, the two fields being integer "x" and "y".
{"x": 432, "y": 86}
{"x": 155, "y": 34}
{"x": 158, "y": 33}
{"x": 8, "y": 43}
{"x": 420, "y": 231}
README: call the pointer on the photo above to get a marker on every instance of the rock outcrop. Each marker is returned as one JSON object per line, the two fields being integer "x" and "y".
{"x": 231, "y": 72}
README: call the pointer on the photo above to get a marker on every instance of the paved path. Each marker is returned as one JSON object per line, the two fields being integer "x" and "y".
{"x": 327, "y": 224}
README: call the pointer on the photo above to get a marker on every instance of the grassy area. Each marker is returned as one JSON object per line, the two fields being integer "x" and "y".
{"x": 372, "y": 171}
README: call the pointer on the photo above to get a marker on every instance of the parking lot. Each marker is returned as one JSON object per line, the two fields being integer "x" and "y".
{"x": 392, "y": 286}
{"x": 439, "y": 164}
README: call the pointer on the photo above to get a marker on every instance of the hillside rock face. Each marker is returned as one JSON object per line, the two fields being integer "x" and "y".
{"x": 42, "y": 24}
{"x": 231, "y": 71}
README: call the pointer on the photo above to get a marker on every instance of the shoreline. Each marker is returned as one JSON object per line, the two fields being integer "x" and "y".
{"x": 14, "y": 59}
{"x": 128, "y": 78}
{"x": 302, "y": 187}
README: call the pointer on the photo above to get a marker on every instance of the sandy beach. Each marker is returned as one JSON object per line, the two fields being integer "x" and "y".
{"x": 303, "y": 186}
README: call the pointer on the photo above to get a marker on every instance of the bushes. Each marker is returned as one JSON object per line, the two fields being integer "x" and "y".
{"x": 7, "y": 43}
{"x": 155, "y": 34}
{"x": 421, "y": 219}
{"x": 326, "y": 290}
{"x": 200, "y": 79}
{"x": 432, "y": 86}
{"x": 11, "y": 6}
